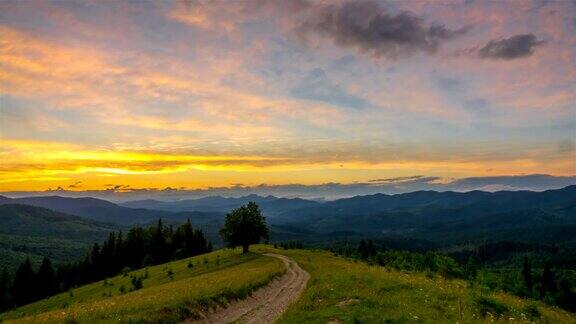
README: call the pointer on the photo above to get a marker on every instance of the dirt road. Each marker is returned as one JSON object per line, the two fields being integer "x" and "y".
{"x": 266, "y": 304}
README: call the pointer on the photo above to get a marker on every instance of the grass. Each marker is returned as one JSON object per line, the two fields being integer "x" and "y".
{"x": 339, "y": 290}
{"x": 354, "y": 292}
{"x": 171, "y": 292}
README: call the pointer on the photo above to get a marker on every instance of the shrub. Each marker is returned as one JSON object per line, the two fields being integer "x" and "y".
{"x": 531, "y": 310}
{"x": 487, "y": 305}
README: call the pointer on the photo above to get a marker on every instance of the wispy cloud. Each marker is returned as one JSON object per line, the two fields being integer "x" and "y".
{"x": 216, "y": 92}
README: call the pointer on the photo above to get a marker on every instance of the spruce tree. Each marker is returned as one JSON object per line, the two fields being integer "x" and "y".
{"x": 471, "y": 268}
{"x": 23, "y": 285}
{"x": 45, "y": 280}
{"x": 527, "y": 275}
{"x": 548, "y": 281}
{"x": 5, "y": 294}
{"x": 158, "y": 246}
{"x": 363, "y": 250}
{"x": 371, "y": 248}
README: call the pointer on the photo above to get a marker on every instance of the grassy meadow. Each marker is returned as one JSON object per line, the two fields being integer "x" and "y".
{"x": 348, "y": 291}
{"x": 340, "y": 290}
{"x": 170, "y": 292}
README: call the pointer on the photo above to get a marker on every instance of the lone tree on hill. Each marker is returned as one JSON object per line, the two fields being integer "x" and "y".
{"x": 244, "y": 226}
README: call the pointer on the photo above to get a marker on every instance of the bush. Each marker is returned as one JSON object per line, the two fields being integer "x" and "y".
{"x": 531, "y": 310}
{"x": 137, "y": 283}
{"x": 487, "y": 305}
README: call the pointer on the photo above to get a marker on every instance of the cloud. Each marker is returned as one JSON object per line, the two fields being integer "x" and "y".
{"x": 371, "y": 29}
{"x": 331, "y": 190}
{"x": 519, "y": 182}
{"x": 75, "y": 185}
{"x": 398, "y": 179}
{"x": 517, "y": 46}
{"x": 567, "y": 146}
{"x": 316, "y": 86}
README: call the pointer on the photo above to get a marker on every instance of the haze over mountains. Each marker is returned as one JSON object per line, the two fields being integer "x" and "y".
{"x": 325, "y": 191}
{"x": 63, "y": 228}
{"x": 455, "y": 216}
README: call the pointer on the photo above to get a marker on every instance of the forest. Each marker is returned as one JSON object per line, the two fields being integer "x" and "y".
{"x": 140, "y": 247}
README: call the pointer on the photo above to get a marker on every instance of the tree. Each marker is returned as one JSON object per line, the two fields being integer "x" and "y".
{"x": 471, "y": 269}
{"x": 23, "y": 286}
{"x": 46, "y": 284}
{"x": 363, "y": 250}
{"x": 5, "y": 300}
{"x": 158, "y": 245}
{"x": 527, "y": 275}
{"x": 371, "y": 248}
{"x": 244, "y": 226}
{"x": 548, "y": 280}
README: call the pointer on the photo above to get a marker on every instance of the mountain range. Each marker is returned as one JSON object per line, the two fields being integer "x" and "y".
{"x": 420, "y": 220}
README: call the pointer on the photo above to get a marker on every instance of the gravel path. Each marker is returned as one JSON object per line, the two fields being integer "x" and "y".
{"x": 266, "y": 304}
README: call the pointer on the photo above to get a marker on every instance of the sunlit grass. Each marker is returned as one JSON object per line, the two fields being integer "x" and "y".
{"x": 355, "y": 292}
{"x": 171, "y": 292}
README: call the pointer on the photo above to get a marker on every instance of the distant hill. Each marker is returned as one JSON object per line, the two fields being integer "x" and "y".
{"x": 105, "y": 211}
{"x": 270, "y": 205}
{"x": 447, "y": 217}
{"x": 35, "y": 232}
{"x": 42, "y": 222}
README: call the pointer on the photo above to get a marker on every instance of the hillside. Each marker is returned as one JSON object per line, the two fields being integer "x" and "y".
{"x": 444, "y": 218}
{"x": 171, "y": 292}
{"x": 35, "y": 232}
{"x": 339, "y": 290}
{"x": 272, "y": 206}
{"x": 105, "y": 211}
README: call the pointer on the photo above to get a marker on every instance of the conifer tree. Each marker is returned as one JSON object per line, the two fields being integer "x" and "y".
{"x": 371, "y": 248}
{"x": 45, "y": 280}
{"x": 23, "y": 285}
{"x": 158, "y": 246}
{"x": 548, "y": 281}
{"x": 363, "y": 250}
{"x": 527, "y": 275}
{"x": 5, "y": 294}
{"x": 471, "y": 268}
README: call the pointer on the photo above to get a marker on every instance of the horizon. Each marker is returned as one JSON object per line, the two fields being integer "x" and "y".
{"x": 323, "y": 192}
{"x": 298, "y": 96}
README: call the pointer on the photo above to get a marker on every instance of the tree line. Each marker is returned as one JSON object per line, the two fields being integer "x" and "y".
{"x": 118, "y": 253}
{"x": 553, "y": 286}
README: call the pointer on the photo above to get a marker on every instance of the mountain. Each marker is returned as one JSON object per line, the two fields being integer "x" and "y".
{"x": 270, "y": 205}
{"x": 36, "y": 232}
{"x": 42, "y": 222}
{"x": 105, "y": 211}
{"x": 448, "y": 217}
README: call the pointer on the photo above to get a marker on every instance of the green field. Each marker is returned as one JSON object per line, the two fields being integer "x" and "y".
{"x": 339, "y": 290}
{"x": 354, "y": 292}
{"x": 171, "y": 292}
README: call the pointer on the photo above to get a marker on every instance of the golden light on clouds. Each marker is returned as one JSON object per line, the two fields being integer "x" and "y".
{"x": 219, "y": 92}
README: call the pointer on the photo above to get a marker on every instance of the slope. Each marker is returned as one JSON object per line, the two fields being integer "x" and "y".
{"x": 35, "y": 232}
{"x": 105, "y": 211}
{"x": 340, "y": 290}
{"x": 344, "y": 291}
{"x": 171, "y": 292}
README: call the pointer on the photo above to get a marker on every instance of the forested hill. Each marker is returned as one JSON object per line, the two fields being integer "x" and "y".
{"x": 42, "y": 222}
{"x": 105, "y": 211}
{"x": 445, "y": 217}
{"x": 36, "y": 232}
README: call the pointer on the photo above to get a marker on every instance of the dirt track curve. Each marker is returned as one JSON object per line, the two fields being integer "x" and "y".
{"x": 266, "y": 304}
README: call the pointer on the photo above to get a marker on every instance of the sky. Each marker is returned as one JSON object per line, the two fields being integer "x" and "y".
{"x": 192, "y": 95}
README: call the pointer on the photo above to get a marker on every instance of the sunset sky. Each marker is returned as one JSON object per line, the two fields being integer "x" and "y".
{"x": 197, "y": 94}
